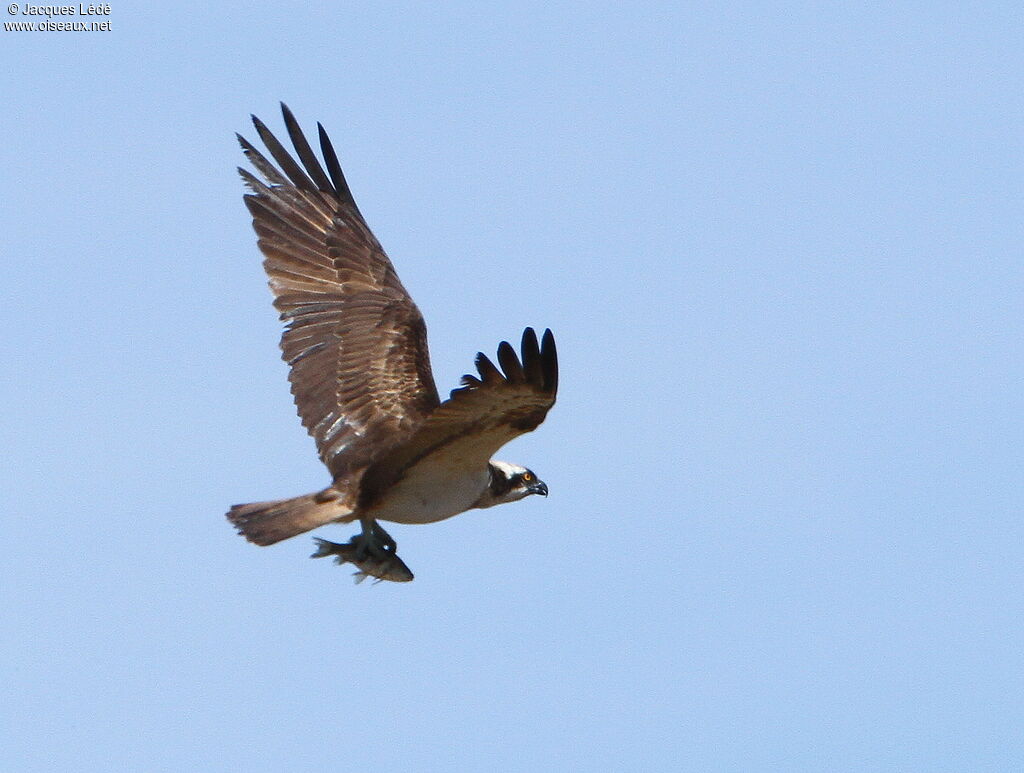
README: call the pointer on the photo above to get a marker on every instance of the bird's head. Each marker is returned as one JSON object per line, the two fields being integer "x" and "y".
{"x": 510, "y": 483}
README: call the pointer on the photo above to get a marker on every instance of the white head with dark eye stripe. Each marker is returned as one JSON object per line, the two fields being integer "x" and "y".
{"x": 510, "y": 483}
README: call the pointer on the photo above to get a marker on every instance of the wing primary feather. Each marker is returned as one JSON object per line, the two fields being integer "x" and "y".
{"x": 282, "y": 157}
{"x": 259, "y": 161}
{"x": 305, "y": 152}
{"x": 467, "y": 384}
{"x": 331, "y": 159}
{"x": 488, "y": 372}
{"x": 510, "y": 363}
{"x": 250, "y": 180}
{"x": 283, "y": 206}
{"x": 549, "y": 357}
{"x": 531, "y": 358}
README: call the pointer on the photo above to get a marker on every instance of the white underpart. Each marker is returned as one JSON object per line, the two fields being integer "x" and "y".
{"x": 433, "y": 490}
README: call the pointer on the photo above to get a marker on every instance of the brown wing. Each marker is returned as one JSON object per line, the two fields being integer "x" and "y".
{"x": 483, "y": 415}
{"x": 355, "y": 341}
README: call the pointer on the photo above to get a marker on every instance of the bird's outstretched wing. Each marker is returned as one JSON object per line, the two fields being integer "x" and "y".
{"x": 485, "y": 413}
{"x": 355, "y": 341}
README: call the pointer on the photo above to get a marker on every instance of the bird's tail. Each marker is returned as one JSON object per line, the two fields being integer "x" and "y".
{"x": 268, "y": 522}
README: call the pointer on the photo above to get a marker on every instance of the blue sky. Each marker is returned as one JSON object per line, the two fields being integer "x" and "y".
{"x": 781, "y": 251}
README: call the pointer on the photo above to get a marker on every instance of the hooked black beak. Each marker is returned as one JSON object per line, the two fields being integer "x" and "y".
{"x": 540, "y": 487}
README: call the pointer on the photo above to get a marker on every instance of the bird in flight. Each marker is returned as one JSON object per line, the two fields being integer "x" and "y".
{"x": 360, "y": 373}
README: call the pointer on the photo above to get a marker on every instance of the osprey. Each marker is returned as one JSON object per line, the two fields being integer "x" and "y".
{"x": 360, "y": 374}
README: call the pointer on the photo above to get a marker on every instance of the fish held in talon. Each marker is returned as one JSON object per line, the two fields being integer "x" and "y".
{"x": 387, "y": 567}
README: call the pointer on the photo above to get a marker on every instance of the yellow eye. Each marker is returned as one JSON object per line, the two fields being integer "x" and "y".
{"x": 527, "y": 476}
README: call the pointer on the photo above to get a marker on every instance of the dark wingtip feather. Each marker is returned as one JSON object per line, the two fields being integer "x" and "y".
{"x": 305, "y": 152}
{"x": 488, "y": 371}
{"x": 510, "y": 363}
{"x": 467, "y": 384}
{"x": 291, "y": 169}
{"x": 250, "y": 182}
{"x": 247, "y": 147}
{"x": 549, "y": 358}
{"x": 531, "y": 358}
{"x": 334, "y": 169}
{"x": 264, "y": 167}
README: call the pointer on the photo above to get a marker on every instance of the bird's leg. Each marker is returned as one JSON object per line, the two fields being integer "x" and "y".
{"x": 373, "y": 540}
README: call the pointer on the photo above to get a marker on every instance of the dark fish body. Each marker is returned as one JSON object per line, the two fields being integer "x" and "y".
{"x": 388, "y": 567}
